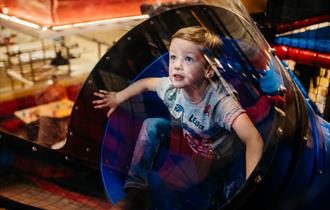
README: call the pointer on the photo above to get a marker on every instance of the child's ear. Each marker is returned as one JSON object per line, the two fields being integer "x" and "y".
{"x": 209, "y": 72}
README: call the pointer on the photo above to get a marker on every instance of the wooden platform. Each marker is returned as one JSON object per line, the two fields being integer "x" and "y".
{"x": 44, "y": 195}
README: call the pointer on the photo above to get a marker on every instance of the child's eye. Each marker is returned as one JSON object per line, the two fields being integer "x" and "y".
{"x": 188, "y": 59}
{"x": 172, "y": 57}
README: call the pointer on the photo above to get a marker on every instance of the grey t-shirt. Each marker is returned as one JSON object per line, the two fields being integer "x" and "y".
{"x": 204, "y": 123}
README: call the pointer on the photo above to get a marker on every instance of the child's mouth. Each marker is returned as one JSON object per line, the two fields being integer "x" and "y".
{"x": 178, "y": 77}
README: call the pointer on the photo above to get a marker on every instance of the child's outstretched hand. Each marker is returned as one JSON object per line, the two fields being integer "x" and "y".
{"x": 107, "y": 99}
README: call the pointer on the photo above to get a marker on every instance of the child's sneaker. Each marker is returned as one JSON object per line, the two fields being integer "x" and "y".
{"x": 135, "y": 199}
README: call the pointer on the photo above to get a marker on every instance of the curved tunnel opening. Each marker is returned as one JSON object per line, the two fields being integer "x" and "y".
{"x": 246, "y": 65}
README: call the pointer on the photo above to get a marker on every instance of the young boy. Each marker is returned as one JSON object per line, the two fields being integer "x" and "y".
{"x": 204, "y": 109}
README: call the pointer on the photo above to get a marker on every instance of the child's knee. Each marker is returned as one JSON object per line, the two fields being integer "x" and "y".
{"x": 155, "y": 124}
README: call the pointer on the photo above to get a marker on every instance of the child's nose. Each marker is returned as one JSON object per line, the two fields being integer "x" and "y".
{"x": 177, "y": 68}
{"x": 178, "y": 65}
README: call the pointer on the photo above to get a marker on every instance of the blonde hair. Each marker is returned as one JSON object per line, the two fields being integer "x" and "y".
{"x": 200, "y": 36}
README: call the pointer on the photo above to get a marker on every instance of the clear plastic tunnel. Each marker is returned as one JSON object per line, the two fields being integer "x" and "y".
{"x": 295, "y": 137}
{"x": 246, "y": 64}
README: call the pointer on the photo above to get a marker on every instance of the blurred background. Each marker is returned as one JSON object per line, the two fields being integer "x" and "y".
{"x": 49, "y": 47}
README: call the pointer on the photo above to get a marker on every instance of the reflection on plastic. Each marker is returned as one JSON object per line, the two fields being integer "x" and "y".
{"x": 180, "y": 178}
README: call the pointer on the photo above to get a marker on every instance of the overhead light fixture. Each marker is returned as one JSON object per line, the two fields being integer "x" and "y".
{"x": 5, "y": 10}
{"x": 74, "y": 25}
{"x": 99, "y": 22}
{"x": 62, "y": 27}
{"x": 19, "y": 21}
{"x": 44, "y": 28}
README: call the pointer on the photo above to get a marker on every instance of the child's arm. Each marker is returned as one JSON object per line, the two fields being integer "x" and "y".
{"x": 113, "y": 99}
{"x": 250, "y": 136}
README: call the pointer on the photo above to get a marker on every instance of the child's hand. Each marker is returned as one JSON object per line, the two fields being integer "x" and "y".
{"x": 108, "y": 99}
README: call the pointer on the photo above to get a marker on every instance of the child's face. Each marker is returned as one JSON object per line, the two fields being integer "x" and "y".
{"x": 187, "y": 64}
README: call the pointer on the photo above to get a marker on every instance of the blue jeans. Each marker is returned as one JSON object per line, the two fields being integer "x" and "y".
{"x": 156, "y": 132}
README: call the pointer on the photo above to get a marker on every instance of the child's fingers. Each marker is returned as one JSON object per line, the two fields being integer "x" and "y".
{"x": 110, "y": 111}
{"x": 101, "y": 95}
{"x": 100, "y": 106}
{"x": 101, "y": 101}
{"x": 103, "y": 91}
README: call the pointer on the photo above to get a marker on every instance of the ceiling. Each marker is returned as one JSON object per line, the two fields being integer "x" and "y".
{"x": 61, "y": 12}
{"x": 51, "y": 18}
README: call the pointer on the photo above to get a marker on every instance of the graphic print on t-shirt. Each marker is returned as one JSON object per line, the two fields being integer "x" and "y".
{"x": 178, "y": 111}
{"x": 198, "y": 144}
